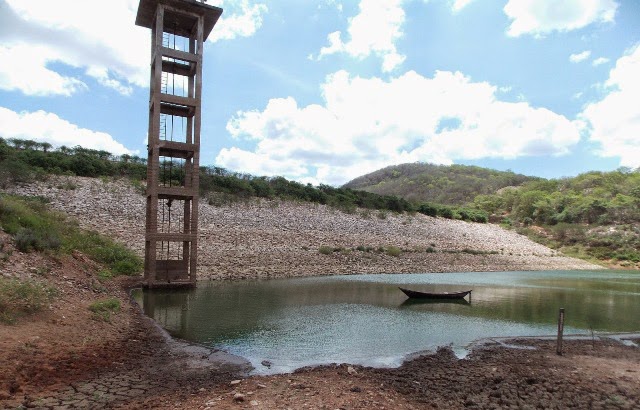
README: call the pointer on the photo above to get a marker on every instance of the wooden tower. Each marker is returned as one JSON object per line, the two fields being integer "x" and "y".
{"x": 179, "y": 29}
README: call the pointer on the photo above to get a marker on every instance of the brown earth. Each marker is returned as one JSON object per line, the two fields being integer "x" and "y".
{"x": 66, "y": 357}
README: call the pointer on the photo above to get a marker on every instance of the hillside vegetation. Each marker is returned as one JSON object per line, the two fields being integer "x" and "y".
{"x": 595, "y": 214}
{"x": 439, "y": 184}
{"x": 23, "y": 161}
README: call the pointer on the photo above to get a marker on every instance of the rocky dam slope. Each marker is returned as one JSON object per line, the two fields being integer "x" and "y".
{"x": 269, "y": 239}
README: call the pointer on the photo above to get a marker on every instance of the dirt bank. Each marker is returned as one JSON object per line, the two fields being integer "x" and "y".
{"x": 269, "y": 239}
{"x": 599, "y": 374}
{"x": 64, "y": 357}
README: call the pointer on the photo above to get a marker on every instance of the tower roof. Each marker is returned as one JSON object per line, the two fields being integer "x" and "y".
{"x": 183, "y": 23}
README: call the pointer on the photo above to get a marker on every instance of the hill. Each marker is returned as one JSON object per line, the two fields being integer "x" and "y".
{"x": 595, "y": 214}
{"x": 438, "y": 184}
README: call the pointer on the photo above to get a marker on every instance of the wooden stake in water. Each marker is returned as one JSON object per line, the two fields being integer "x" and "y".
{"x": 560, "y": 331}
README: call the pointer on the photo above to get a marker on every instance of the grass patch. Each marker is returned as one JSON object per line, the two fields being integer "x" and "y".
{"x": 31, "y": 225}
{"x": 102, "y": 309}
{"x": 20, "y": 298}
{"x": 35, "y": 228}
{"x": 393, "y": 251}
{"x": 325, "y": 250}
{"x": 116, "y": 257}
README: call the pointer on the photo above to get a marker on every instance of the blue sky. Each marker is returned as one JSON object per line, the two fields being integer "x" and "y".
{"x": 324, "y": 91}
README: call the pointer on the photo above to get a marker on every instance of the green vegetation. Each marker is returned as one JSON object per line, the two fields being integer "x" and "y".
{"x": 453, "y": 185}
{"x": 35, "y": 228}
{"x": 222, "y": 186}
{"x": 325, "y": 250}
{"x": 594, "y": 215}
{"x": 102, "y": 309}
{"x": 19, "y": 298}
{"x": 393, "y": 251}
{"x": 23, "y": 161}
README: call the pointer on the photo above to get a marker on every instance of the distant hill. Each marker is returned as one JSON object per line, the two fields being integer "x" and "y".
{"x": 440, "y": 184}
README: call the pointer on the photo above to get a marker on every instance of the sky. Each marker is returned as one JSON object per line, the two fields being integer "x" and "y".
{"x": 324, "y": 91}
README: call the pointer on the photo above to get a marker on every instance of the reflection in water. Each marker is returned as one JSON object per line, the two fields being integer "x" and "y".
{"x": 414, "y": 302}
{"x": 365, "y": 319}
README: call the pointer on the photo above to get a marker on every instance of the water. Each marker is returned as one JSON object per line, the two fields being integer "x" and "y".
{"x": 365, "y": 319}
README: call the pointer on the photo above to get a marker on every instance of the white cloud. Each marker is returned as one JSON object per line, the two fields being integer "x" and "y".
{"x": 77, "y": 34}
{"x": 98, "y": 37}
{"x": 367, "y": 123}
{"x": 47, "y": 127}
{"x": 241, "y": 18}
{"x": 599, "y": 61}
{"x": 24, "y": 69}
{"x": 540, "y": 17}
{"x": 614, "y": 121}
{"x": 579, "y": 57}
{"x": 374, "y": 30}
{"x": 460, "y": 4}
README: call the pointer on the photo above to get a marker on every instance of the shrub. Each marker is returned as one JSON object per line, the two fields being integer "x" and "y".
{"x": 448, "y": 213}
{"x": 428, "y": 209}
{"x": 13, "y": 171}
{"x": 393, "y": 251}
{"x": 325, "y": 250}
{"x": 28, "y": 239}
{"x": 18, "y": 298}
{"x": 102, "y": 309}
{"x": 115, "y": 256}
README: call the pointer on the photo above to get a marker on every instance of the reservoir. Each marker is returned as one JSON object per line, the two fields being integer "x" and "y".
{"x": 366, "y": 319}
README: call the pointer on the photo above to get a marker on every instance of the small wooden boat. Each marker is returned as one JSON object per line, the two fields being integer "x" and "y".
{"x": 410, "y": 302}
{"x": 414, "y": 294}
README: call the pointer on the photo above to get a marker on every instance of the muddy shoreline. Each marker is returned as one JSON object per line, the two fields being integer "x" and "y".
{"x": 47, "y": 362}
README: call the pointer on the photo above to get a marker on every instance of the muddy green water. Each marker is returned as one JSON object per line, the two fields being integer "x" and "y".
{"x": 365, "y": 319}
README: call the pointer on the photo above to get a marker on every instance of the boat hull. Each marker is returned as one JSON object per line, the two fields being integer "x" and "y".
{"x": 414, "y": 294}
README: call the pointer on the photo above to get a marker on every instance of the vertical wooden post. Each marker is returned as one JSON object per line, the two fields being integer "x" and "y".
{"x": 560, "y": 331}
